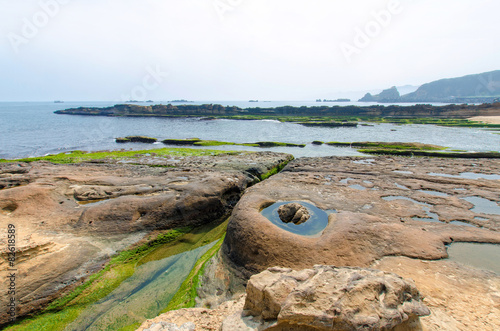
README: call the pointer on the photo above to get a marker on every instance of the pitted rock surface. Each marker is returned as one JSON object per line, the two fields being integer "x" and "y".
{"x": 368, "y": 228}
{"x": 330, "y": 298}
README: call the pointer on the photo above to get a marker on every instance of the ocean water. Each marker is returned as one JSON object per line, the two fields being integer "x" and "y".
{"x": 32, "y": 129}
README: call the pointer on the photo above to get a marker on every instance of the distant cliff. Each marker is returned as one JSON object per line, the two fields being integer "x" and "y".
{"x": 421, "y": 110}
{"x": 389, "y": 95}
{"x": 478, "y": 88}
{"x": 461, "y": 89}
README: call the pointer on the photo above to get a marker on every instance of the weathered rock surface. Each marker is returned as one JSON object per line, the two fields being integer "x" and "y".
{"x": 202, "y": 318}
{"x": 459, "y": 297}
{"x": 386, "y": 206}
{"x": 322, "y": 298}
{"x": 330, "y": 298}
{"x": 293, "y": 212}
{"x": 383, "y": 208}
{"x": 70, "y": 218}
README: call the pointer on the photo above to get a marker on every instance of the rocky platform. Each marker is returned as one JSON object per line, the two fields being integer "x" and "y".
{"x": 70, "y": 218}
{"x": 396, "y": 214}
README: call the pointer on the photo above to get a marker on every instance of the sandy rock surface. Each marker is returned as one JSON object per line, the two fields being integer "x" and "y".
{"x": 70, "y": 218}
{"x": 387, "y": 208}
{"x": 459, "y": 298}
{"x": 383, "y": 206}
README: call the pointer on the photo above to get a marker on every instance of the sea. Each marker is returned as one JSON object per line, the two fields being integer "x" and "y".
{"x": 29, "y": 129}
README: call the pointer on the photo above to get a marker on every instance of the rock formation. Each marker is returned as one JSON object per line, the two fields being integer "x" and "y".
{"x": 330, "y": 298}
{"x": 414, "y": 111}
{"x": 293, "y": 212}
{"x": 386, "y": 206}
{"x": 389, "y": 95}
{"x": 322, "y": 298}
{"x": 70, "y": 218}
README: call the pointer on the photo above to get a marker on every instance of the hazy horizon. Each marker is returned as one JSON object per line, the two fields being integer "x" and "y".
{"x": 230, "y": 50}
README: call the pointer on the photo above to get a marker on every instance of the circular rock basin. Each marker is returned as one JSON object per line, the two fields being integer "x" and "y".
{"x": 312, "y": 227}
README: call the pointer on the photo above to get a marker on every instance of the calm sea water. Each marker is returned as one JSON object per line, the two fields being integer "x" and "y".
{"x": 32, "y": 129}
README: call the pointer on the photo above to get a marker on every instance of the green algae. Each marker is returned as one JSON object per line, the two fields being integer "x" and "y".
{"x": 387, "y": 145}
{"x": 199, "y": 142}
{"x": 187, "y": 293}
{"x": 136, "y": 139}
{"x": 64, "y": 310}
{"x": 82, "y": 156}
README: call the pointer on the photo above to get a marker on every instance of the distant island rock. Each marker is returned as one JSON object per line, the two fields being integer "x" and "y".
{"x": 336, "y": 100}
{"x": 389, "y": 95}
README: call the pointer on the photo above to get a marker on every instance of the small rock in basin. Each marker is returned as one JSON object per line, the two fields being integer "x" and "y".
{"x": 293, "y": 212}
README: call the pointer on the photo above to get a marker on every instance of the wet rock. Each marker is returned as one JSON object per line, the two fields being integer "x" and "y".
{"x": 293, "y": 212}
{"x": 70, "y": 218}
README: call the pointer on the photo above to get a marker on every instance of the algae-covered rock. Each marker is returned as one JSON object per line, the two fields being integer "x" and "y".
{"x": 136, "y": 139}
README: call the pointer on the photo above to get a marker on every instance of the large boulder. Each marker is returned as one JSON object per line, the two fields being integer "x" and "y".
{"x": 321, "y": 298}
{"x": 330, "y": 298}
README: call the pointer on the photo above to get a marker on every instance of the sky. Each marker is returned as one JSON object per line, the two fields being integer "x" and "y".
{"x": 104, "y": 50}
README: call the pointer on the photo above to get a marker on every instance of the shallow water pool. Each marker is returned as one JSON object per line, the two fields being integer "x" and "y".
{"x": 482, "y": 256}
{"x": 312, "y": 227}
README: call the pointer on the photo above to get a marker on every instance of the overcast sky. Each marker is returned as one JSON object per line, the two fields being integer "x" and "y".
{"x": 238, "y": 49}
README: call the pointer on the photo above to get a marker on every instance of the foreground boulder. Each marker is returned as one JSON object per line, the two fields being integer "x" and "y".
{"x": 330, "y": 298}
{"x": 322, "y": 298}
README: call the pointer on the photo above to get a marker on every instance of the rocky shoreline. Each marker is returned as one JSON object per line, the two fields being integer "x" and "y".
{"x": 386, "y": 215}
{"x": 393, "y": 214}
{"x": 71, "y": 218}
{"x": 416, "y": 111}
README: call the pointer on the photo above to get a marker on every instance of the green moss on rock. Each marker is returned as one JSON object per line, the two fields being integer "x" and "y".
{"x": 189, "y": 141}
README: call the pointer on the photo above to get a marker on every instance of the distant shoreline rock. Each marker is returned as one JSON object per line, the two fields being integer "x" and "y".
{"x": 214, "y": 110}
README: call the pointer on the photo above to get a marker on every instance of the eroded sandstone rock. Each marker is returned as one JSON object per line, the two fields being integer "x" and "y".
{"x": 70, "y": 218}
{"x": 383, "y": 206}
{"x": 293, "y": 212}
{"x": 330, "y": 298}
{"x": 387, "y": 207}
